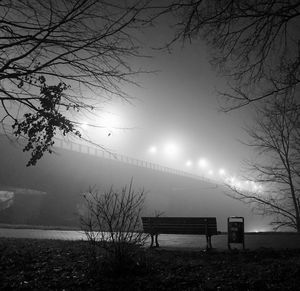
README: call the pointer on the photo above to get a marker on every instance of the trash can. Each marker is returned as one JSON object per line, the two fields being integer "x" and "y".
{"x": 236, "y": 231}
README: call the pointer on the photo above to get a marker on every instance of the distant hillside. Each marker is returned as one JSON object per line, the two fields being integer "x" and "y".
{"x": 66, "y": 174}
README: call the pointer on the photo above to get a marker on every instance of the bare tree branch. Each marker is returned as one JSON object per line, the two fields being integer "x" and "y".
{"x": 84, "y": 46}
{"x": 253, "y": 43}
{"x": 276, "y": 138}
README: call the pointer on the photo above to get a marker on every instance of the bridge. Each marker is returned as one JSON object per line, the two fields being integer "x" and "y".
{"x": 106, "y": 154}
{"x": 7, "y": 193}
{"x": 74, "y": 167}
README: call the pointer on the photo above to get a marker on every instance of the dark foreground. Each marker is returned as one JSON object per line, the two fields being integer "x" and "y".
{"x": 28, "y": 264}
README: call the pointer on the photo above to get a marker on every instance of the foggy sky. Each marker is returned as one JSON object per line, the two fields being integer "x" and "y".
{"x": 179, "y": 104}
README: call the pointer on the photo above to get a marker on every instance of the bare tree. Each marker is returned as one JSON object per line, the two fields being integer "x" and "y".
{"x": 255, "y": 44}
{"x": 58, "y": 57}
{"x": 276, "y": 138}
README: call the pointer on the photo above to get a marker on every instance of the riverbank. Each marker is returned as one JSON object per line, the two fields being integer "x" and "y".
{"x": 253, "y": 241}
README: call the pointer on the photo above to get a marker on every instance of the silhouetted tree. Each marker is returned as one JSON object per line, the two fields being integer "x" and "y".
{"x": 276, "y": 137}
{"x": 254, "y": 43}
{"x": 54, "y": 56}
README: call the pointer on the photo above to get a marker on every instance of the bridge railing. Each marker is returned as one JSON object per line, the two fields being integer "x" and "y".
{"x": 105, "y": 154}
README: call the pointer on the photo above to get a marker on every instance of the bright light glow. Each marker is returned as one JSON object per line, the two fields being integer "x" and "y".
{"x": 258, "y": 230}
{"x": 256, "y": 187}
{"x": 203, "y": 163}
{"x": 222, "y": 172}
{"x": 210, "y": 172}
{"x": 153, "y": 150}
{"x": 171, "y": 149}
{"x": 188, "y": 163}
{"x": 243, "y": 185}
{"x": 84, "y": 126}
{"x": 110, "y": 120}
{"x": 232, "y": 180}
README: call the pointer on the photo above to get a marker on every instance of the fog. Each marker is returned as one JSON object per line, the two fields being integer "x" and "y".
{"x": 54, "y": 187}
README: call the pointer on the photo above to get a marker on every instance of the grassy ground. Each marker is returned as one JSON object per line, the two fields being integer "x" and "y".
{"x": 65, "y": 265}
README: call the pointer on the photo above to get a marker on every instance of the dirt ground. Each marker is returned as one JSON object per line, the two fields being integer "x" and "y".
{"x": 31, "y": 264}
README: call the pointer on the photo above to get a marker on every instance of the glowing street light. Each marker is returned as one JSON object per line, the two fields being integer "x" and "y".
{"x": 84, "y": 126}
{"x": 254, "y": 186}
{"x": 203, "y": 163}
{"x": 110, "y": 120}
{"x": 153, "y": 150}
{"x": 171, "y": 149}
{"x": 222, "y": 172}
{"x": 188, "y": 163}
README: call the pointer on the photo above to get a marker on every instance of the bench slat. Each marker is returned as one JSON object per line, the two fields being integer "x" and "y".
{"x": 183, "y": 232}
{"x": 181, "y": 219}
{"x": 180, "y": 225}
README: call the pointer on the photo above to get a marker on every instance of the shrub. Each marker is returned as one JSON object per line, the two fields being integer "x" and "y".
{"x": 112, "y": 223}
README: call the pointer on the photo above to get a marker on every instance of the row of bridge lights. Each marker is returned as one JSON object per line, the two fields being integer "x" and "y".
{"x": 203, "y": 164}
{"x": 172, "y": 150}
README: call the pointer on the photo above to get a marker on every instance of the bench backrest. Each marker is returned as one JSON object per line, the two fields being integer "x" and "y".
{"x": 180, "y": 225}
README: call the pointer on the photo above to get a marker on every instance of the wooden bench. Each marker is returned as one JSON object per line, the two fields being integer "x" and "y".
{"x": 180, "y": 225}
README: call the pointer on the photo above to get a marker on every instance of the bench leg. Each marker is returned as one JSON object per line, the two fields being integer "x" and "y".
{"x": 152, "y": 241}
{"x": 156, "y": 241}
{"x": 208, "y": 242}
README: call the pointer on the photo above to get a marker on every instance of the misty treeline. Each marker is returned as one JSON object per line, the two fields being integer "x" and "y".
{"x": 59, "y": 59}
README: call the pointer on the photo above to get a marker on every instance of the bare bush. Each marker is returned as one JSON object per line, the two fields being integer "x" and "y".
{"x": 112, "y": 223}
